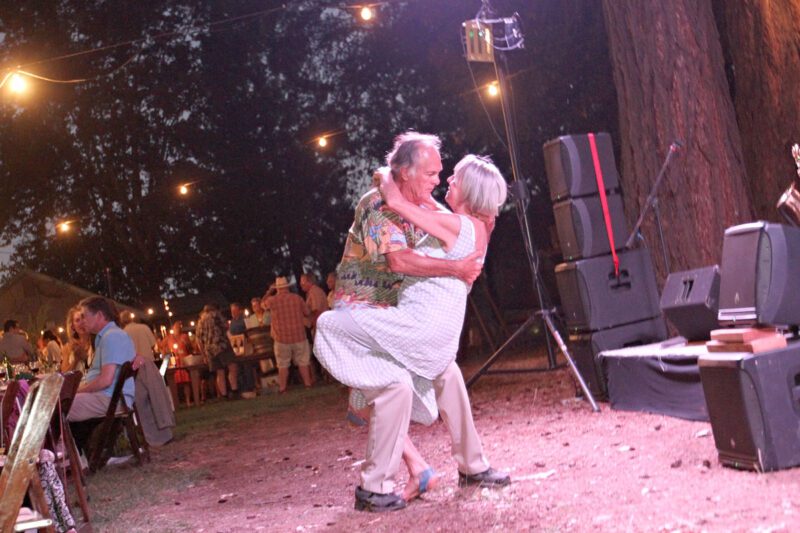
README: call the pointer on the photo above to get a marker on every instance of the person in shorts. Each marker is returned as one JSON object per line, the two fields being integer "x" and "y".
{"x": 290, "y": 316}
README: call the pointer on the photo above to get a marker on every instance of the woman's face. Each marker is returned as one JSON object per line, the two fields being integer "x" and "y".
{"x": 77, "y": 323}
{"x": 453, "y": 196}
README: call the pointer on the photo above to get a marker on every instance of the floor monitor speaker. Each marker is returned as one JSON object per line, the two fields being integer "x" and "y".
{"x": 758, "y": 278}
{"x": 570, "y": 166}
{"x": 594, "y": 298}
{"x": 581, "y": 226}
{"x": 754, "y": 406}
{"x": 690, "y": 301}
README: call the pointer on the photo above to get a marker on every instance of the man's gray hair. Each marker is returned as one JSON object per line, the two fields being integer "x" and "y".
{"x": 407, "y": 149}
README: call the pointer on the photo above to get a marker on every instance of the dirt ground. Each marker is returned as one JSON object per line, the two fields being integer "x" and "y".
{"x": 290, "y": 463}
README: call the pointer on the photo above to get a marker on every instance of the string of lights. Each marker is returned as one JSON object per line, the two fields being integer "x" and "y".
{"x": 367, "y": 12}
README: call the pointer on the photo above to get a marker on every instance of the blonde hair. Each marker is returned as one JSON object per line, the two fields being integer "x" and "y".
{"x": 482, "y": 185}
{"x": 76, "y": 350}
{"x": 71, "y": 333}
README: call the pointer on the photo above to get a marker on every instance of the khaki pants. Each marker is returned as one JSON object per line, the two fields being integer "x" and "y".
{"x": 456, "y": 411}
{"x": 391, "y": 412}
{"x": 87, "y": 405}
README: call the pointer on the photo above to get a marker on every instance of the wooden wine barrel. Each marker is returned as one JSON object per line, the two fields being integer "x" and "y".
{"x": 260, "y": 339}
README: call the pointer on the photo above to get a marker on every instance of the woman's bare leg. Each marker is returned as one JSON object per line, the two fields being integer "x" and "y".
{"x": 417, "y": 466}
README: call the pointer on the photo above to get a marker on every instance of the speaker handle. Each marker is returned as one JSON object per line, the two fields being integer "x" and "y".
{"x": 621, "y": 282}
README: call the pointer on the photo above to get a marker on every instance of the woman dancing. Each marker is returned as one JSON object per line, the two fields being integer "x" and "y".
{"x": 419, "y": 337}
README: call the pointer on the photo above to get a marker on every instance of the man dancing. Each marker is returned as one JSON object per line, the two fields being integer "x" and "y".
{"x": 378, "y": 252}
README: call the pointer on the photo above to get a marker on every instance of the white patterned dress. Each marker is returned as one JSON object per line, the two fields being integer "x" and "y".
{"x": 412, "y": 343}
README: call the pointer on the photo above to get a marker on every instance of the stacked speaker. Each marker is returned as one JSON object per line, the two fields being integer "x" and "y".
{"x": 604, "y": 308}
{"x": 754, "y": 399}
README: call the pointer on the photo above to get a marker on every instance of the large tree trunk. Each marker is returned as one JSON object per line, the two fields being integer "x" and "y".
{"x": 761, "y": 40}
{"x": 670, "y": 80}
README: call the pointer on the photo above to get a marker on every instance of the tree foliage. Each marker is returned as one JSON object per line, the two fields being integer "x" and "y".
{"x": 205, "y": 94}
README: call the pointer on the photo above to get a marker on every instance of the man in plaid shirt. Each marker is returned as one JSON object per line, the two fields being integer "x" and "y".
{"x": 290, "y": 315}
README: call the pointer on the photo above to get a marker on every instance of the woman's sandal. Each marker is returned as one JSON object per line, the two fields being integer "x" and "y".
{"x": 427, "y": 481}
{"x": 355, "y": 419}
{"x": 425, "y": 478}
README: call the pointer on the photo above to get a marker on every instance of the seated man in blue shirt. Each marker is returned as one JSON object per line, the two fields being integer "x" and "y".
{"x": 112, "y": 348}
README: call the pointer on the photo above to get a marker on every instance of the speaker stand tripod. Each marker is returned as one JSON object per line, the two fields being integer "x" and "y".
{"x": 521, "y": 197}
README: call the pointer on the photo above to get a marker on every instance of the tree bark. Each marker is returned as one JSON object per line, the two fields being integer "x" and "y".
{"x": 670, "y": 80}
{"x": 761, "y": 40}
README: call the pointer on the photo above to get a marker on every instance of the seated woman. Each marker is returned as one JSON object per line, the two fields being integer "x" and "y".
{"x": 419, "y": 337}
{"x": 78, "y": 348}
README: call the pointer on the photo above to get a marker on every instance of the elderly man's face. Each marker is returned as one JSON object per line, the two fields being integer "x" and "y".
{"x": 418, "y": 188}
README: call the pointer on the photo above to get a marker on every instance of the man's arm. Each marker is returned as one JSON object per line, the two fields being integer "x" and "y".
{"x": 411, "y": 263}
{"x": 101, "y": 382}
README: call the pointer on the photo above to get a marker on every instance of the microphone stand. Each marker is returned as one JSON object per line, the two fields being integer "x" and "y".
{"x": 520, "y": 194}
{"x": 652, "y": 201}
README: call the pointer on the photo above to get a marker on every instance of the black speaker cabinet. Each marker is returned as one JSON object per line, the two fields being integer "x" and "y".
{"x": 570, "y": 168}
{"x": 759, "y": 283}
{"x": 584, "y": 348}
{"x": 594, "y": 298}
{"x": 754, "y": 405}
{"x": 690, "y": 301}
{"x": 582, "y": 228}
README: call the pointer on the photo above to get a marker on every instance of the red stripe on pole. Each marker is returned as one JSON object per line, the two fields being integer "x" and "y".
{"x": 598, "y": 174}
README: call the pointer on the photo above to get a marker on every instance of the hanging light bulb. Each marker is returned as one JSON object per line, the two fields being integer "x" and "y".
{"x": 322, "y": 142}
{"x": 367, "y": 13}
{"x": 493, "y": 89}
{"x": 17, "y": 83}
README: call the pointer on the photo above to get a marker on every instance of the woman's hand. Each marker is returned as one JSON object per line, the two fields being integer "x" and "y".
{"x": 389, "y": 189}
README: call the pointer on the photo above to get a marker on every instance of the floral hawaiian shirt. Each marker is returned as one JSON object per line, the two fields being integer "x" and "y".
{"x": 363, "y": 276}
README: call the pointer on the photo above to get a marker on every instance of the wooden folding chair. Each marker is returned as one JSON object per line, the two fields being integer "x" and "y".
{"x": 59, "y": 427}
{"x": 20, "y": 472}
{"x": 6, "y": 408}
{"x": 120, "y": 415}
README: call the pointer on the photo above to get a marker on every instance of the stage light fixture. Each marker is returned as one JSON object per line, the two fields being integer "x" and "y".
{"x": 367, "y": 13}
